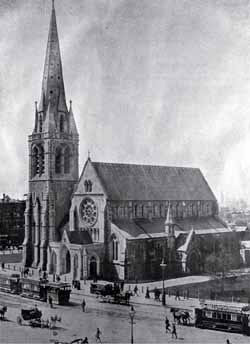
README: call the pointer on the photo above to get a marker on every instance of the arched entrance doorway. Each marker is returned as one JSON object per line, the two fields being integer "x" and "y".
{"x": 93, "y": 267}
{"x": 65, "y": 261}
{"x": 75, "y": 267}
{"x": 53, "y": 262}
{"x": 193, "y": 263}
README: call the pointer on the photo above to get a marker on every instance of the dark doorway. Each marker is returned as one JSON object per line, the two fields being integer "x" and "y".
{"x": 75, "y": 267}
{"x": 53, "y": 262}
{"x": 67, "y": 262}
{"x": 194, "y": 265}
{"x": 93, "y": 268}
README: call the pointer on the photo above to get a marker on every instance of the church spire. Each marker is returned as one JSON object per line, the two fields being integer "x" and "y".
{"x": 52, "y": 84}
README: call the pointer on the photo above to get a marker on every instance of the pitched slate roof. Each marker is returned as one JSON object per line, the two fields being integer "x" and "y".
{"x": 146, "y": 182}
{"x": 140, "y": 229}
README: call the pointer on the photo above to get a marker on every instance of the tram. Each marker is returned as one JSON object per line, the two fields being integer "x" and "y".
{"x": 59, "y": 292}
{"x": 35, "y": 289}
{"x": 224, "y": 317}
{"x": 10, "y": 284}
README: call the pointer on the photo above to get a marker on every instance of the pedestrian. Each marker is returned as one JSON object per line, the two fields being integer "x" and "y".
{"x": 187, "y": 295}
{"x": 177, "y": 295}
{"x": 167, "y": 325}
{"x": 228, "y": 341}
{"x": 147, "y": 296}
{"x": 83, "y": 305}
{"x": 85, "y": 341}
{"x": 50, "y": 302}
{"x": 122, "y": 285}
{"x": 174, "y": 333}
{"x": 136, "y": 290}
{"x": 98, "y": 335}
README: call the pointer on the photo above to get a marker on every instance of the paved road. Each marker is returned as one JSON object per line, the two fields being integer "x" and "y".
{"x": 113, "y": 320}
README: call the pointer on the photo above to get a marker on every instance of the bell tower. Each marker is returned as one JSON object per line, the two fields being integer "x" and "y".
{"x": 53, "y": 160}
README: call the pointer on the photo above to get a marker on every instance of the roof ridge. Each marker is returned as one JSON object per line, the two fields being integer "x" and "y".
{"x": 143, "y": 165}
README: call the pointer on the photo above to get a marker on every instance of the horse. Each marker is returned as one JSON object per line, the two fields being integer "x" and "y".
{"x": 181, "y": 316}
{"x": 3, "y": 310}
{"x": 53, "y": 321}
{"x": 177, "y": 315}
{"x": 185, "y": 318}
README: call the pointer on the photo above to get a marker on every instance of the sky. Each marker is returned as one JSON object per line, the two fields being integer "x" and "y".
{"x": 163, "y": 82}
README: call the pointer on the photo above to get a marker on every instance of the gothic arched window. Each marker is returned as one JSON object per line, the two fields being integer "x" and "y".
{"x": 40, "y": 123}
{"x": 86, "y": 185}
{"x": 35, "y": 161}
{"x": 58, "y": 163}
{"x": 156, "y": 210}
{"x": 41, "y": 161}
{"x": 89, "y": 186}
{"x": 115, "y": 248}
{"x": 75, "y": 220}
{"x": 162, "y": 210}
{"x": 61, "y": 124}
{"x": 67, "y": 160}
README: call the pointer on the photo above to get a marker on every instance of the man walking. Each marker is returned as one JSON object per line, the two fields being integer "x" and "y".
{"x": 50, "y": 302}
{"x": 98, "y": 335}
{"x": 167, "y": 325}
{"x": 136, "y": 290}
{"x": 83, "y": 305}
{"x": 174, "y": 333}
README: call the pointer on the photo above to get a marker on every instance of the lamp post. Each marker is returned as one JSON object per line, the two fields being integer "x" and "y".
{"x": 132, "y": 315}
{"x": 163, "y": 266}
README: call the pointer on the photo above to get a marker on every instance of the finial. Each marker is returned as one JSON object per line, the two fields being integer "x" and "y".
{"x": 88, "y": 155}
{"x": 70, "y": 105}
{"x": 36, "y": 105}
{"x": 53, "y": 4}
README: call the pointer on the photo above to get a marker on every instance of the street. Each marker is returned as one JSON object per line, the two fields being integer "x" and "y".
{"x": 113, "y": 321}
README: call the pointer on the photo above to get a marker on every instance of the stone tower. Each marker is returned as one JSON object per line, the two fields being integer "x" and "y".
{"x": 53, "y": 161}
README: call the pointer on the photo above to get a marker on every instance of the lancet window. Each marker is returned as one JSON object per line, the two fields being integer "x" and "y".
{"x": 58, "y": 162}
{"x": 67, "y": 160}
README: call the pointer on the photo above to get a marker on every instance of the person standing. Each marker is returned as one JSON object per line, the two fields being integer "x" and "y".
{"x": 98, "y": 335}
{"x": 50, "y": 302}
{"x": 147, "y": 296}
{"x": 83, "y": 305}
{"x": 177, "y": 295}
{"x": 174, "y": 333}
{"x": 136, "y": 290}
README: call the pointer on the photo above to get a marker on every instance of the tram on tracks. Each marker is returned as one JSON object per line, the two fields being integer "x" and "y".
{"x": 10, "y": 284}
{"x": 39, "y": 290}
{"x": 223, "y": 316}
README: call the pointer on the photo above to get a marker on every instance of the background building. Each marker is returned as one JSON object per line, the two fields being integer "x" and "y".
{"x": 11, "y": 221}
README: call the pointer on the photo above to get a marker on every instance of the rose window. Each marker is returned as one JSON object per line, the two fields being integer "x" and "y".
{"x": 88, "y": 211}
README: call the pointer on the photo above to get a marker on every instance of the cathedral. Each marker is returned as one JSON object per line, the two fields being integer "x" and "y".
{"x": 115, "y": 221}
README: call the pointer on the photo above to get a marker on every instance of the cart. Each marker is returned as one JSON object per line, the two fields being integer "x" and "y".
{"x": 32, "y": 317}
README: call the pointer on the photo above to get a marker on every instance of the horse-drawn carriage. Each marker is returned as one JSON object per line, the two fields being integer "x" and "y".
{"x": 110, "y": 293}
{"x": 33, "y": 317}
{"x": 181, "y": 315}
